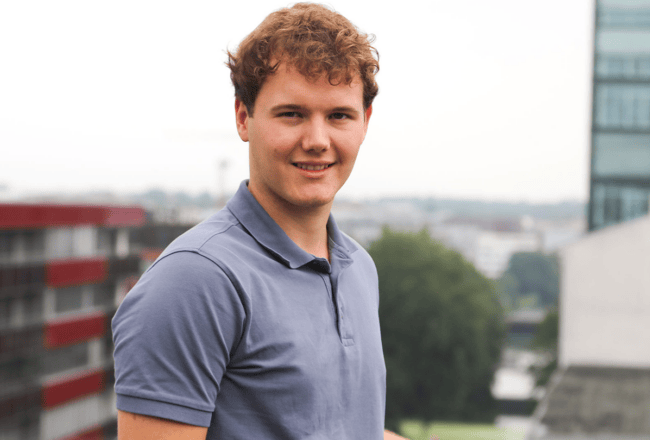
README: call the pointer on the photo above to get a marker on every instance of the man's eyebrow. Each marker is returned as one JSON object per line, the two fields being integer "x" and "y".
{"x": 346, "y": 109}
{"x": 285, "y": 107}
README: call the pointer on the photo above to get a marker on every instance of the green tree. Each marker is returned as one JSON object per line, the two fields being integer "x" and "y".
{"x": 545, "y": 341}
{"x": 442, "y": 331}
{"x": 536, "y": 275}
{"x": 507, "y": 288}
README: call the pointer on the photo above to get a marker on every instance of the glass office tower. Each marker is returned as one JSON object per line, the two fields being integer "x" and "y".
{"x": 620, "y": 141}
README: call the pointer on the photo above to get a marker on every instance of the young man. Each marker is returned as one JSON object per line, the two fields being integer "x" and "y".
{"x": 261, "y": 322}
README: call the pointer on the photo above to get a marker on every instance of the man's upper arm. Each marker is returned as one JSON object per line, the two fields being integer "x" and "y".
{"x": 138, "y": 427}
{"x": 388, "y": 435}
{"x": 173, "y": 336}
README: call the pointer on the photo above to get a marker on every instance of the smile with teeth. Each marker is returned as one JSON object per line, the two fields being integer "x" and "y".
{"x": 303, "y": 166}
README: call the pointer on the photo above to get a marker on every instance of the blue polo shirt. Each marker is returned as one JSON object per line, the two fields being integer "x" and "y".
{"x": 236, "y": 328}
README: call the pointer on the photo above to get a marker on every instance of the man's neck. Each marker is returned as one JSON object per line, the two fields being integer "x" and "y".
{"x": 306, "y": 226}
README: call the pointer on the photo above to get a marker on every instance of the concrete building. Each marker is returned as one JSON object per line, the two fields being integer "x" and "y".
{"x": 602, "y": 386}
{"x": 606, "y": 298}
{"x": 620, "y": 133}
{"x": 601, "y": 389}
{"x": 63, "y": 270}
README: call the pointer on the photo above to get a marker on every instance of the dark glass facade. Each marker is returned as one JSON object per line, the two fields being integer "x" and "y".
{"x": 620, "y": 134}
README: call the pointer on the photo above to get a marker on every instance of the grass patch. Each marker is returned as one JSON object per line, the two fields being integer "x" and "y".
{"x": 414, "y": 430}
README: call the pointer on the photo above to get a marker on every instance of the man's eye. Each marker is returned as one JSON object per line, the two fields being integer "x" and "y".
{"x": 290, "y": 115}
{"x": 339, "y": 116}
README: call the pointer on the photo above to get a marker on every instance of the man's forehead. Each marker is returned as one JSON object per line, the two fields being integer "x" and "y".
{"x": 315, "y": 74}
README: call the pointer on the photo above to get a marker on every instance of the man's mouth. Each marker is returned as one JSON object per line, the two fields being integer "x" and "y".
{"x": 304, "y": 166}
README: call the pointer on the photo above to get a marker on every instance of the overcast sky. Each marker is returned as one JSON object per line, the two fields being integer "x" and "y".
{"x": 478, "y": 100}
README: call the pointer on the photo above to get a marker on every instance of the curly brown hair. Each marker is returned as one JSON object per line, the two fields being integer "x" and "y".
{"x": 311, "y": 38}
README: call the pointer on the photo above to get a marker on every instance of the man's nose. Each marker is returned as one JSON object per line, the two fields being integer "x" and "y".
{"x": 316, "y": 137}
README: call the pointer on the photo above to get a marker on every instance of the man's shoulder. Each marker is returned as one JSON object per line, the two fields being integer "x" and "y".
{"x": 220, "y": 238}
{"x": 215, "y": 225}
{"x": 212, "y": 236}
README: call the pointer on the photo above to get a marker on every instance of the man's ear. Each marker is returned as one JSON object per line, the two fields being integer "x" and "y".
{"x": 241, "y": 118}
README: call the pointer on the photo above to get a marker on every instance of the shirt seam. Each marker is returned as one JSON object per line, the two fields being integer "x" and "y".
{"x": 161, "y": 399}
{"x": 226, "y": 273}
{"x": 240, "y": 294}
{"x": 221, "y": 231}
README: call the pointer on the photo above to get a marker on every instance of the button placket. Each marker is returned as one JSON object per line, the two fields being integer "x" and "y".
{"x": 328, "y": 290}
{"x": 342, "y": 262}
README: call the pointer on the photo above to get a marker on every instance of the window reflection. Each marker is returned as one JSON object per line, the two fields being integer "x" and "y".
{"x": 614, "y": 204}
{"x": 611, "y": 14}
{"x": 622, "y": 106}
{"x": 621, "y": 155}
{"x": 68, "y": 299}
{"x": 620, "y": 67}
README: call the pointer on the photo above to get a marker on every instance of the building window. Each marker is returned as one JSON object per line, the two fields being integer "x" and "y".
{"x": 643, "y": 68}
{"x": 621, "y": 155}
{"x": 622, "y": 16}
{"x": 23, "y": 426}
{"x": 84, "y": 241}
{"x": 619, "y": 67}
{"x": 36, "y": 275}
{"x": 622, "y": 106}
{"x": 32, "y": 307}
{"x": 59, "y": 243}
{"x": 613, "y": 204}
{"x": 17, "y": 369}
{"x": 104, "y": 294}
{"x": 34, "y": 243}
{"x": 68, "y": 299}
{"x": 634, "y": 203}
{"x": 7, "y": 311}
{"x": 71, "y": 242}
{"x": 66, "y": 358}
{"x": 7, "y": 244}
{"x": 108, "y": 347}
{"x": 106, "y": 239}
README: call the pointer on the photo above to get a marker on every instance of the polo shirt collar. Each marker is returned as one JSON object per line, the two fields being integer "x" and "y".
{"x": 270, "y": 235}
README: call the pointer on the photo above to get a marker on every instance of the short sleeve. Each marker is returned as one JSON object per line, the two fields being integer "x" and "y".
{"x": 174, "y": 334}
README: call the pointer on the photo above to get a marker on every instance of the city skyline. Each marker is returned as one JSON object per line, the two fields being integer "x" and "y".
{"x": 135, "y": 95}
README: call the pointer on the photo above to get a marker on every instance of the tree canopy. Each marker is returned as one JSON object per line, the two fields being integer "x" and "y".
{"x": 545, "y": 341}
{"x": 530, "y": 276}
{"x": 442, "y": 330}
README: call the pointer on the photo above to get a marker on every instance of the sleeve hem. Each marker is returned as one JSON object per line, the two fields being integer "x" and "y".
{"x": 164, "y": 410}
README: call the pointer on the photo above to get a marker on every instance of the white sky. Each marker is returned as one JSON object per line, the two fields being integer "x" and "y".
{"x": 478, "y": 99}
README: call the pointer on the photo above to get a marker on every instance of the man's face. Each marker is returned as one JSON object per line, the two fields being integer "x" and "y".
{"x": 303, "y": 137}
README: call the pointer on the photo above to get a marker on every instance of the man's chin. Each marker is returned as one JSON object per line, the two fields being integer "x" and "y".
{"x": 314, "y": 202}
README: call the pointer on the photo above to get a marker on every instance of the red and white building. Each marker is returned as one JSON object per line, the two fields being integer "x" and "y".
{"x": 63, "y": 271}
